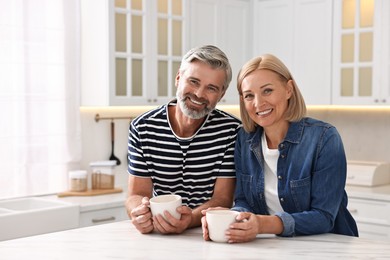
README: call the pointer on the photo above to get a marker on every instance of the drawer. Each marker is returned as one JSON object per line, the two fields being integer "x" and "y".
{"x": 370, "y": 211}
{"x": 103, "y": 216}
{"x": 372, "y": 231}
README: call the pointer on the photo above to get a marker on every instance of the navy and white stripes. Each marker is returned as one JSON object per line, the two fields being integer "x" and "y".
{"x": 185, "y": 166}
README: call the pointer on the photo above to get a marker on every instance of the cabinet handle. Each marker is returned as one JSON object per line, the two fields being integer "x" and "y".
{"x": 98, "y": 220}
{"x": 383, "y": 100}
{"x": 376, "y": 100}
{"x": 353, "y": 210}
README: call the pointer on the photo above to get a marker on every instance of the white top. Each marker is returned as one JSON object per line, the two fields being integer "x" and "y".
{"x": 270, "y": 177}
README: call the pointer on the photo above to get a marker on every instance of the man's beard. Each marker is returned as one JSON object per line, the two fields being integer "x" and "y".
{"x": 191, "y": 113}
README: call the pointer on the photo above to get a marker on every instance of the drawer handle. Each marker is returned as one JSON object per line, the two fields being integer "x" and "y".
{"x": 353, "y": 210}
{"x": 98, "y": 220}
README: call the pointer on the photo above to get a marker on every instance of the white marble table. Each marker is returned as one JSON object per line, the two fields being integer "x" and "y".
{"x": 121, "y": 241}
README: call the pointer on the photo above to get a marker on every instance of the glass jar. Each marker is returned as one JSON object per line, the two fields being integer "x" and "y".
{"x": 103, "y": 175}
{"x": 78, "y": 180}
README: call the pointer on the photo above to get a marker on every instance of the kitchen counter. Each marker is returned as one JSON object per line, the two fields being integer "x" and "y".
{"x": 120, "y": 240}
{"x": 375, "y": 193}
{"x": 97, "y": 202}
{"x": 88, "y": 203}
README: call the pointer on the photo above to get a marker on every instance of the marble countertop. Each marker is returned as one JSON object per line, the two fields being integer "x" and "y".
{"x": 120, "y": 240}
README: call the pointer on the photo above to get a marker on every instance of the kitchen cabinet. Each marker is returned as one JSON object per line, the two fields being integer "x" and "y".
{"x": 94, "y": 53}
{"x": 102, "y": 216}
{"x": 147, "y": 43}
{"x": 361, "y": 56}
{"x": 372, "y": 217}
{"x": 131, "y": 51}
{"x": 226, "y": 24}
{"x": 299, "y": 32}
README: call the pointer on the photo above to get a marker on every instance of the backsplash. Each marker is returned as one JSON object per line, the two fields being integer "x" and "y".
{"x": 364, "y": 130}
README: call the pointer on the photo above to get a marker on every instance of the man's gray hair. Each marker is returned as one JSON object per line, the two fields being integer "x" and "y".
{"x": 210, "y": 55}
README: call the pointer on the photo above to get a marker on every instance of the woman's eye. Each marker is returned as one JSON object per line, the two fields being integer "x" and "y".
{"x": 248, "y": 96}
{"x": 267, "y": 91}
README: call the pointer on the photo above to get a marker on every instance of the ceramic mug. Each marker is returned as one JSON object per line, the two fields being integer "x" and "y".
{"x": 218, "y": 221}
{"x": 161, "y": 203}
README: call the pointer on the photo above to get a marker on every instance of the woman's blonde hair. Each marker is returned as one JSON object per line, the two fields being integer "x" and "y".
{"x": 296, "y": 109}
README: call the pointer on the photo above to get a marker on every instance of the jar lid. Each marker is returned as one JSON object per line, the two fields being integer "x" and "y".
{"x": 103, "y": 163}
{"x": 78, "y": 174}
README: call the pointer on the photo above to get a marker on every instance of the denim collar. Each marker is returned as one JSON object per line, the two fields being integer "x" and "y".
{"x": 294, "y": 134}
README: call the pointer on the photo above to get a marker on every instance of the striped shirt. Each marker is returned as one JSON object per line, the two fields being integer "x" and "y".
{"x": 184, "y": 166}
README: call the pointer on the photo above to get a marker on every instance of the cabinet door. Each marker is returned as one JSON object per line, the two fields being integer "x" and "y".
{"x": 299, "y": 33}
{"x": 312, "y": 51}
{"x": 361, "y": 52}
{"x": 274, "y": 29}
{"x": 148, "y": 39}
{"x": 227, "y": 25}
{"x": 372, "y": 217}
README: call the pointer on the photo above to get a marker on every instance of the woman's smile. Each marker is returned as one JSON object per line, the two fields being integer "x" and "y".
{"x": 264, "y": 112}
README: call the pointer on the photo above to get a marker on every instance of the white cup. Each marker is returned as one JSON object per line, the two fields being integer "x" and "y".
{"x": 169, "y": 202}
{"x": 218, "y": 221}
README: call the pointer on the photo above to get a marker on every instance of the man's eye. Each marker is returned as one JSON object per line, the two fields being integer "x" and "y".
{"x": 194, "y": 82}
{"x": 213, "y": 89}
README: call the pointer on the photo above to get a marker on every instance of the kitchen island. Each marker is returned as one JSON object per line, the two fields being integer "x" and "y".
{"x": 120, "y": 240}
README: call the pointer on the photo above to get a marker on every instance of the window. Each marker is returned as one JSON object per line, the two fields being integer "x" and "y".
{"x": 39, "y": 96}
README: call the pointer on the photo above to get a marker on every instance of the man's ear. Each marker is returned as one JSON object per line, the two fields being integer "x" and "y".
{"x": 177, "y": 78}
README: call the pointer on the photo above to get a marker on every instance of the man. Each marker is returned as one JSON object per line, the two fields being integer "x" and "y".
{"x": 185, "y": 147}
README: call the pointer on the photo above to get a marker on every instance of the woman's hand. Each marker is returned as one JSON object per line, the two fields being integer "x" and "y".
{"x": 205, "y": 230}
{"x": 245, "y": 229}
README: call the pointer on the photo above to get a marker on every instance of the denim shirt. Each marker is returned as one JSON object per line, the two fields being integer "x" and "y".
{"x": 311, "y": 172}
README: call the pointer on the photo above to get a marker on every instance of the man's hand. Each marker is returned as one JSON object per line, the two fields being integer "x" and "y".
{"x": 141, "y": 217}
{"x": 173, "y": 225}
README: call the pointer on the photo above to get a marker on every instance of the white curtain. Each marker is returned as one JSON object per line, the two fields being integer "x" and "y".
{"x": 39, "y": 95}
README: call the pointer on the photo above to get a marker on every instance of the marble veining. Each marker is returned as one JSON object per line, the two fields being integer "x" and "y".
{"x": 121, "y": 241}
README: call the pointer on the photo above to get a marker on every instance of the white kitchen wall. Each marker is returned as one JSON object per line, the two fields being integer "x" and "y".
{"x": 96, "y": 137}
{"x": 364, "y": 130}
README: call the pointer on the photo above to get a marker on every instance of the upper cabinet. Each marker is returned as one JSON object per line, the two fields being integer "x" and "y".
{"x": 299, "y": 32}
{"x": 361, "y": 58}
{"x": 131, "y": 50}
{"x": 147, "y": 44}
{"x": 226, "y": 24}
{"x": 337, "y": 50}
{"x": 95, "y": 67}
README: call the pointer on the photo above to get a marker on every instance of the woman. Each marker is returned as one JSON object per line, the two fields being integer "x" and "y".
{"x": 290, "y": 169}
